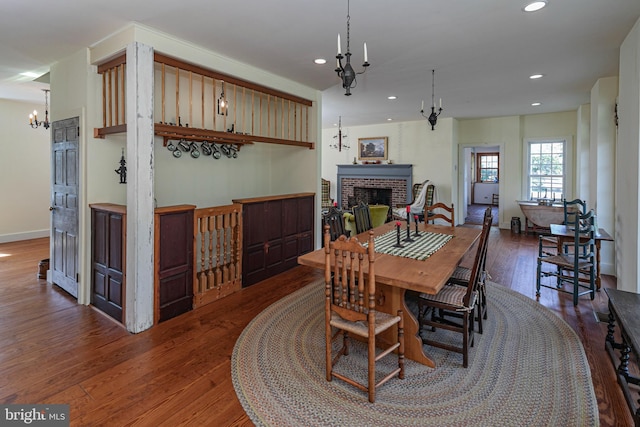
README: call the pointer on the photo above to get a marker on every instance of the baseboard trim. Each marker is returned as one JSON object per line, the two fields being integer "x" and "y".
{"x": 6, "y": 238}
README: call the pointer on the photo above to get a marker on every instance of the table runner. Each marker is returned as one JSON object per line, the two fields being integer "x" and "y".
{"x": 422, "y": 247}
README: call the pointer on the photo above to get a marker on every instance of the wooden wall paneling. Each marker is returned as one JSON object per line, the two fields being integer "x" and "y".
{"x": 277, "y": 229}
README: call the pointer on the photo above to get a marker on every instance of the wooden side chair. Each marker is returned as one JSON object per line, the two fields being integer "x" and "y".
{"x": 432, "y": 213}
{"x": 334, "y": 218}
{"x": 462, "y": 275}
{"x": 548, "y": 244}
{"x": 452, "y": 308}
{"x": 575, "y": 265}
{"x": 350, "y": 309}
{"x": 362, "y": 218}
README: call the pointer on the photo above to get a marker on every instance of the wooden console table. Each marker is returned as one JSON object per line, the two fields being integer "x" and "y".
{"x": 624, "y": 309}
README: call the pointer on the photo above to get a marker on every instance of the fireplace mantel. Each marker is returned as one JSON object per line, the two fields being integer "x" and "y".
{"x": 375, "y": 172}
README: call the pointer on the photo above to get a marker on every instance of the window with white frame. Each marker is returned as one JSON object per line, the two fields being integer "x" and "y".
{"x": 547, "y": 164}
{"x": 488, "y": 167}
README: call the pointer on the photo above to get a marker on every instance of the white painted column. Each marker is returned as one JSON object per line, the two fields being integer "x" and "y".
{"x": 139, "y": 306}
{"x": 602, "y": 152}
{"x": 627, "y": 241}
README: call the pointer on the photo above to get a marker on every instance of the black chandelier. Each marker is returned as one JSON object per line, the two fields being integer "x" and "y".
{"x": 433, "y": 117}
{"x": 346, "y": 73}
{"x": 33, "y": 117}
{"x": 340, "y": 144}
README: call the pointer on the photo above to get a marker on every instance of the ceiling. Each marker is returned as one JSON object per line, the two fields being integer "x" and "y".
{"x": 483, "y": 52}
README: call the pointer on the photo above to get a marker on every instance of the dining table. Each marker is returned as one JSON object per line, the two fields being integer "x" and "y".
{"x": 566, "y": 234}
{"x": 423, "y": 265}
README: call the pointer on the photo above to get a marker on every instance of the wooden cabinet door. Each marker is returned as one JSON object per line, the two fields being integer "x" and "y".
{"x": 107, "y": 262}
{"x": 263, "y": 243}
{"x": 276, "y": 232}
{"x": 174, "y": 261}
{"x": 297, "y": 229}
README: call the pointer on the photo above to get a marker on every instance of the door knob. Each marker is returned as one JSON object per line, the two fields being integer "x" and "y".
{"x": 51, "y": 208}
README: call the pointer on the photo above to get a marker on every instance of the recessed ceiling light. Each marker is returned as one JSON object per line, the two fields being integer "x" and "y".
{"x": 535, "y": 5}
{"x": 389, "y": 119}
{"x": 535, "y": 104}
{"x": 536, "y": 76}
{"x": 320, "y": 61}
{"x": 392, "y": 97}
{"x": 30, "y": 74}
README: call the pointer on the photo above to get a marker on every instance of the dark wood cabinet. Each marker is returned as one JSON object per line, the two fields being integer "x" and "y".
{"x": 108, "y": 258}
{"x": 277, "y": 229}
{"x": 173, "y": 270}
{"x": 174, "y": 261}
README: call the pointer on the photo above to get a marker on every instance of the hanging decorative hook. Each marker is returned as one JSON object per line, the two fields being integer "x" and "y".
{"x": 122, "y": 170}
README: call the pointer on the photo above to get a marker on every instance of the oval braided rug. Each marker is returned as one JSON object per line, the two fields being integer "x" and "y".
{"x": 528, "y": 368}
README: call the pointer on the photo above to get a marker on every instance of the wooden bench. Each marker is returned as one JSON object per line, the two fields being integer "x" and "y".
{"x": 624, "y": 310}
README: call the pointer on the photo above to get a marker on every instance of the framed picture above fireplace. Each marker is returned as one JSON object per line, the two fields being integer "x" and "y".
{"x": 373, "y": 148}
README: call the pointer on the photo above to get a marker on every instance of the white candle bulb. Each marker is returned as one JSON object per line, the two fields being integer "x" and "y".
{"x": 366, "y": 58}
{"x": 35, "y": 114}
{"x": 422, "y": 106}
{"x": 440, "y": 102}
{"x": 339, "y": 50}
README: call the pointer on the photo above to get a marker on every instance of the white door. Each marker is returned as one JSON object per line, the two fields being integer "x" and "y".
{"x": 64, "y": 204}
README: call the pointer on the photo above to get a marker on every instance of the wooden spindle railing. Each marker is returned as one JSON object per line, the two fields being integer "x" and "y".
{"x": 217, "y": 253}
{"x": 274, "y": 117}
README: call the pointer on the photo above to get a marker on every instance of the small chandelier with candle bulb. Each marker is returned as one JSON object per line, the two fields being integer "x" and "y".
{"x": 346, "y": 73}
{"x": 433, "y": 117}
{"x": 340, "y": 144}
{"x": 33, "y": 117}
{"x": 223, "y": 104}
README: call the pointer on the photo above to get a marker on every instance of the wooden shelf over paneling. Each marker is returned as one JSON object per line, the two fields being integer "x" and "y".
{"x": 172, "y": 132}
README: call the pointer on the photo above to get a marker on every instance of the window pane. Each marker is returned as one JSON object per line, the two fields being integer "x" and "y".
{"x": 488, "y": 167}
{"x": 546, "y": 169}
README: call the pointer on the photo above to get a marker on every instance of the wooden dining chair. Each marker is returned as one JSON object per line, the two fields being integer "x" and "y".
{"x": 350, "y": 309}
{"x": 433, "y": 212}
{"x": 548, "y": 244}
{"x": 362, "y": 217}
{"x": 334, "y": 218}
{"x": 452, "y": 308}
{"x": 462, "y": 275}
{"x": 573, "y": 209}
{"x": 575, "y": 265}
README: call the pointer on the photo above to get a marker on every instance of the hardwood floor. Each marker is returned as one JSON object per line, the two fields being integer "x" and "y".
{"x": 178, "y": 373}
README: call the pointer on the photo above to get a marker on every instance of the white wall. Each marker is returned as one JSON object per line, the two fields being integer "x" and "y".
{"x": 24, "y": 173}
{"x": 510, "y": 133}
{"x": 430, "y": 152}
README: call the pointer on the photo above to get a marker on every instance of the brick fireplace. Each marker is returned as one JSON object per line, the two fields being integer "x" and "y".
{"x": 374, "y": 184}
